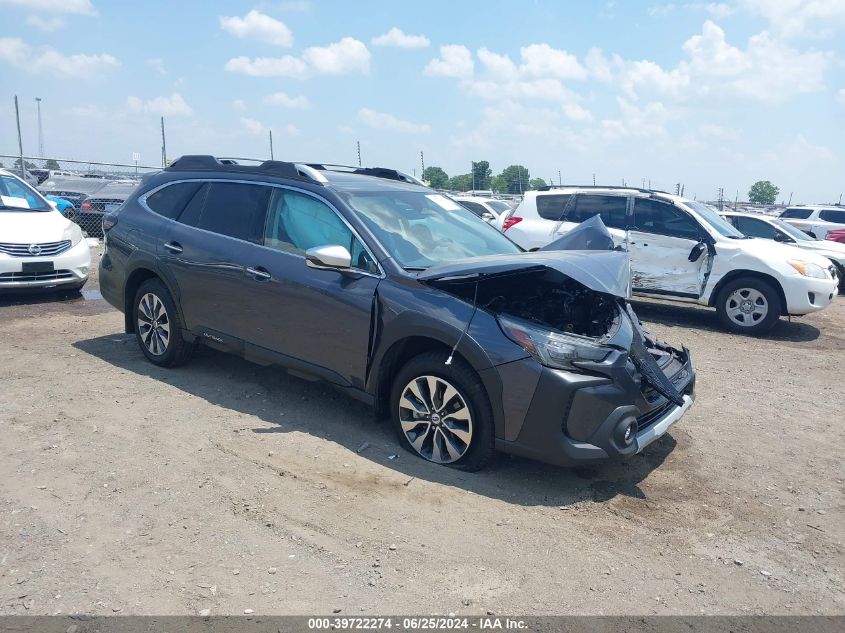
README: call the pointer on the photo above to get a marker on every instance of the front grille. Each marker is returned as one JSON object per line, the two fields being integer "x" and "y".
{"x": 99, "y": 204}
{"x": 46, "y": 249}
{"x": 53, "y": 275}
{"x": 646, "y": 420}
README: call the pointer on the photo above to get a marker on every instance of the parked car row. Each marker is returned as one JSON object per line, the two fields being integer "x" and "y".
{"x": 89, "y": 198}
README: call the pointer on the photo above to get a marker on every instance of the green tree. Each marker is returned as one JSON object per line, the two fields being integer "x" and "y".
{"x": 536, "y": 183}
{"x": 763, "y": 192}
{"x": 436, "y": 177}
{"x": 517, "y": 177}
{"x": 51, "y": 163}
{"x": 27, "y": 163}
{"x": 481, "y": 174}
{"x": 462, "y": 182}
{"x": 499, "y": 184}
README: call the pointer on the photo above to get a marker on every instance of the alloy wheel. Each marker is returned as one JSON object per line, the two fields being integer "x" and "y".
{"x": 153, "y": 324}
{"x": 747, "y": 306}
{"x": 435, "y": 419}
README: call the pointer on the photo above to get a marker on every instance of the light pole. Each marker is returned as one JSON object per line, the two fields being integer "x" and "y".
{"x": 40, "y": 130}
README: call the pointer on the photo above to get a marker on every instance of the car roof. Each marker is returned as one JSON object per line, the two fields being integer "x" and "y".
{"x": 606, "y": 191}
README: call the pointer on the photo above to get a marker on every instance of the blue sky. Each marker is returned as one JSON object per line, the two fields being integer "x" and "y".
{"x": 708, "y": 94}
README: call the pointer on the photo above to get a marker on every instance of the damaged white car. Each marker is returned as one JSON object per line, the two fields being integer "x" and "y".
{"x": 684, "y": 251}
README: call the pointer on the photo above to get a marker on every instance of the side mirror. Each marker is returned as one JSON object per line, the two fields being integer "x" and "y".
{"x": 333, "y": 257}
{"x": 697, "y": 251}
{"x": 780, "y": 237}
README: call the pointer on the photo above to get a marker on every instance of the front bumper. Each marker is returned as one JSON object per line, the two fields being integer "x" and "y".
{"x": 805, "y": 295}
{"x": 575, "y": 418}
{"x": 70, "y": 268}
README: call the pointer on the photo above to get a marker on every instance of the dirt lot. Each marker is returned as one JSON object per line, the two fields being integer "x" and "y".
{"x": 125, "y": 488}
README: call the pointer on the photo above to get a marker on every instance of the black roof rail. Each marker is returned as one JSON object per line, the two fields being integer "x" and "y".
{"x": 206, "y": 162}
{"x": 550, "y": 187}
{"x": 377, "y": 172}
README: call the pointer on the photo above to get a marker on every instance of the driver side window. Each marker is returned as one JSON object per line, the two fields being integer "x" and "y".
{"x": 652, "y": 216}
{"x": 297, "y": 222}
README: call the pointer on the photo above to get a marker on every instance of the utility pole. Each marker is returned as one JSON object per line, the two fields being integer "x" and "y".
{"x": 790, "y": 199}
{"x": 422, "y": 166}
{"x": 359, "y": 152}
{"x": 163, "y": 146}
{"x": 40, "y": 130}
{"x": 559, "y": 178}
{"x": 20, "y": 141}
{"x": 271, "y": 145}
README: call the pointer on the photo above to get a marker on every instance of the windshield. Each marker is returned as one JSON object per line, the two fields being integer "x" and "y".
{"x": 420, "y": 229}
{"x": 714, "y": 220}
{"x": 791, "y": 231}
{"x": 17, "y": 196}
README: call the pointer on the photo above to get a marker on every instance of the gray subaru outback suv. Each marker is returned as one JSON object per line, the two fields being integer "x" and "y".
{"x": 402, "y": 298}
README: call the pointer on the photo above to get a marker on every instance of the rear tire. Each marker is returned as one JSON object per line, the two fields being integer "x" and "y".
{"x": 749, "y": 305}
{"x": 158, "y": 327}
{"x": 442, "y": 413}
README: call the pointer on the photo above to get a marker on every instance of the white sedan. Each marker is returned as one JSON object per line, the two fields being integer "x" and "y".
{"x": 39, "y": 247}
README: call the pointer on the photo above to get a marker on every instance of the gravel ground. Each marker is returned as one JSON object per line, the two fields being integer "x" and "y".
{"x": 223, "y": 486}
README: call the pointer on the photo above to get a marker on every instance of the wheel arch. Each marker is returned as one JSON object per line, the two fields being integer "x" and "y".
{"x": 133, "y": 281}
{"x": 736, "y": 274}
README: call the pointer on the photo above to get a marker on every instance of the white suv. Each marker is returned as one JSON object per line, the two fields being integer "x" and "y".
{"x": 683, "y": 250}
{"x": 815, "y": 221}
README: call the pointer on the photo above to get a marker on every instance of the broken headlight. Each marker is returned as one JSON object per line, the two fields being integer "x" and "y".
{"x": 552, "y": 348}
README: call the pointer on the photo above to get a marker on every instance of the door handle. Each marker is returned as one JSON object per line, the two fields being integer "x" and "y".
{"x": 259, "y": 273}
{"x": 173, "y": 247}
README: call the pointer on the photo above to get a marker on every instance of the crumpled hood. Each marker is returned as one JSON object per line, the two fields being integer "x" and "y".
{"x": 602, "y": 271}
{"x": 32, "y": 227}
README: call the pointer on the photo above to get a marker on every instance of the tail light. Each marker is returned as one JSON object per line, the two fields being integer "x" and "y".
{"x": 109, "y": 221}
{"x": 86, "y": 205}
{"x": 509, "y": 222}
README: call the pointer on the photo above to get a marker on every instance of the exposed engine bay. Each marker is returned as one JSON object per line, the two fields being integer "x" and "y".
{"x": 546, "y": 297}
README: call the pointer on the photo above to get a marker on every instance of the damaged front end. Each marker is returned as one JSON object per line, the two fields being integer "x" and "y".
{"x": 606, "y": 388}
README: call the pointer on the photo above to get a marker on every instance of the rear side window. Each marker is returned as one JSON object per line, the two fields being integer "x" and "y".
{"x": 610, "y": 208}
{"x": 476, "y": 208}
{"x": 797, "y": 214}
{"x": 170, "y": 200}
{"x": 233, "y": 209}
{"x": 833, "y": 215}
{"x": 552, "y": 207}
{"x": 756, "y": 228}
{"x": 651, "y": 216}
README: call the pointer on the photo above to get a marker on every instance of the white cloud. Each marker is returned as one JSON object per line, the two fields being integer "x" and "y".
{"x": 384, "y": 121}
{"x": 660, "y": 10}
{"x": 396, "y": 37}
{"x": 157, "y": 64}
{"x": 500, "y": 66}
{"x": 174, "y": 105}
{"x": 791, "y": 18}
{"x": 17, "y": 53}
{"x": 252, "y": 126}
{"x": 636, "y": 122}
{"x": 287, "y": 66}
{"x": 346, "y": 56}
{"x": 576, "y": 112}
{"x": 290, "y": 130}
{"x": 285, "y": 101}
{"x": 239, "y": 105}
{"x": 258, "y": 26}
{"x": 718, "y": 10}
{"x": 541, "y": 60}
{"x": 454, "y": 61}
{"x": 78, "y": 7}
{"x": 48, "y": 25}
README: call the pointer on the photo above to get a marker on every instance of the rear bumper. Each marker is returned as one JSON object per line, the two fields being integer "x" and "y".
{"x": 71, "y": 268}
{"x": 575, "y": 418}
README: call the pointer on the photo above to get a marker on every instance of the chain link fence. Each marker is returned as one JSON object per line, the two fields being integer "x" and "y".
{"x": 82, "y": 190}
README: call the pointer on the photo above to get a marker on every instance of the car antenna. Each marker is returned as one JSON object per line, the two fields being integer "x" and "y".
{"x": 469, "y": 322}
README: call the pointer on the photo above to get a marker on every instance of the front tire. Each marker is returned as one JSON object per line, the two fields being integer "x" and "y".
{"x": 442, "y": 412}
{"x": 749, "y": 305}
{"x": 158, "y": 327}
